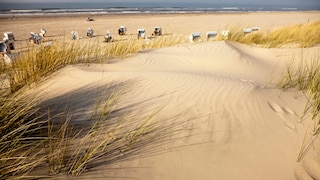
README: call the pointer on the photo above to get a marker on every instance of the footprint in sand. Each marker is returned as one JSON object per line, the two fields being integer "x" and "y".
{"x": 247, "y": 81}
{"x": 275, "y": 107}
{"x": 286, "y": 114}
{"x": 288, "y": 110}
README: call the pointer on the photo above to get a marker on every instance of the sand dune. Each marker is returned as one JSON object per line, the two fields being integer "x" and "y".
{"x": 234, "y": 124}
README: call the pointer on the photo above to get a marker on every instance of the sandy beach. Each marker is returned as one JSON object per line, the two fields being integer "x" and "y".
{"x": 228, "y": 121}
{"x": 171, "y": 23}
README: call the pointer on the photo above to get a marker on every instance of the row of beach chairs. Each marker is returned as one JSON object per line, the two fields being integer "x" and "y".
{"x": 141, "y": 32}
{"x": 121, "y": 31}
{"x": 8, "y": 41}
{"x": 7, "y": 44}
{"x": 196, "y": 36}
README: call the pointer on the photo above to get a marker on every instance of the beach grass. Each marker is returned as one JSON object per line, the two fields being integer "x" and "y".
{"x": 36, "y": 143}
{"x": 40, "y": 61}
{"x": 304, "y": 76}
{"x": 299, "y": 35}
{"x": 18, "y": 145}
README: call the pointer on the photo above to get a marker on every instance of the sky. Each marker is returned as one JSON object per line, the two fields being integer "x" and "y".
{"x": 252, "y": 2}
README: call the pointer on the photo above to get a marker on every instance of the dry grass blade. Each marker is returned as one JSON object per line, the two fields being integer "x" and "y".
{"x": 56, "y": 144}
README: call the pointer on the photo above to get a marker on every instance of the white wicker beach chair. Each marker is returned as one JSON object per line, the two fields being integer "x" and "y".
{"x": 157, "y": 31}
{"x": 74, "y": 35}
{"x": 4, "y": 53}
{"x": 247, "y": 31}
{"x": 211, "y": 34}
{"x": 90, "y": 32}
{"x": 90, "y": 19}
{"x": 122, "y": 30}
{"x": 108, "y": 37}
{"x": 195, "y": 37}
{"x": 3, "y": 47}
{"x": 250, "y": 30}
{"x": 9, "y": 40}
{"x": 142, "y": 33}
{"x": 42, "y": 32}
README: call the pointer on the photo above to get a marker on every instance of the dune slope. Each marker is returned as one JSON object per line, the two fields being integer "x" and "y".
{"x": 234, "y": 124}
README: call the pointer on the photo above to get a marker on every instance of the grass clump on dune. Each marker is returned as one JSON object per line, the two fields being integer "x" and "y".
{"x": 40, "y": 61}
{"x": 165, "y": 41}
{"x": 38, "y": 143}
{"x": 19, "y": 148}
{"x": 303, "y": 35}
{"x": 306, "y": 78}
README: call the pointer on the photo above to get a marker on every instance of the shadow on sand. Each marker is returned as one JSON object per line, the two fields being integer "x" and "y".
{"x": 135, "y": 129}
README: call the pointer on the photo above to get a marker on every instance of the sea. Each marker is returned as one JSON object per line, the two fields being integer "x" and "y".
{"x": 42, "y": 9}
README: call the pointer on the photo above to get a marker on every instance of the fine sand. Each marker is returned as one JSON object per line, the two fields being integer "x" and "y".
{"x": 232, "y": 123}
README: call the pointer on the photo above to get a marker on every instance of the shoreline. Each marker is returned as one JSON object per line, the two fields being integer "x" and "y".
{"x": 53, "y": 15}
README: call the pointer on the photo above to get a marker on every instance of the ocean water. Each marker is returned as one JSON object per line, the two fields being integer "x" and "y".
{"x": 27, "y": 9}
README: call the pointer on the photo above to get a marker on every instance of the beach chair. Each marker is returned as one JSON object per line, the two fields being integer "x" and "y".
{"x": 74, "y": 35}
{"x": 3, "y": 47}
{"x": 196, "y": 36}
{"x": 32, "y": 37}
{"x": 90, "y": 32}
{"x": 90, "y": 19}
{"x": 35, "y": 38}
{"x": 42, "y": 32}
{"x": 4, "y": 53}
{"x": 247, "y": 31}
{"x": 226, "y": 34}
{"x": 157, "y": 31}
{"x": 108, "y": 37}
{"x": 9, "y": 40}
{"x": 250, "y": 30}
{"x": 211, "y": 34}
{"x": 122, "y": 30}
{"x": 141, "y": 33}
